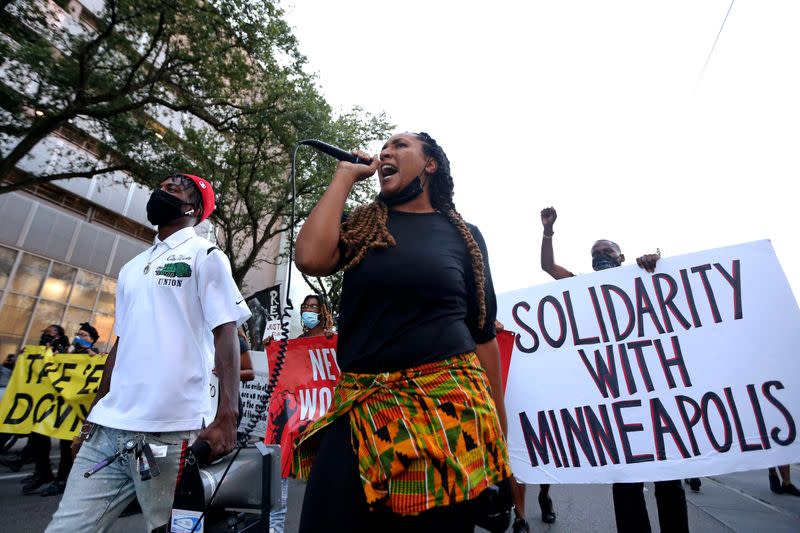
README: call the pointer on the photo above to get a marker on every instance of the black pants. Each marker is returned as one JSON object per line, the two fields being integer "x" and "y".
{"x": 65, "y": 461}
{"x": 630, "y": 509}
{"x": 335, "y": 501}
{"x": 40, "y": 450}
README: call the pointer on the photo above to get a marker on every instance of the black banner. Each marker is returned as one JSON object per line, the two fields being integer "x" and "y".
{"x": 265, "y": 305}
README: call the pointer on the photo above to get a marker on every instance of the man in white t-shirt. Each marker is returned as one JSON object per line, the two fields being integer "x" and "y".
{"x": 177, "y": 311}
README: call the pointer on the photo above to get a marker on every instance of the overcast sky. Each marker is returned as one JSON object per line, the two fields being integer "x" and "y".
{"x": 595, "y": 108}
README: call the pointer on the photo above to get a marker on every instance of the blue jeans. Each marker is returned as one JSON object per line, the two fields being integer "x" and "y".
{"x": 277, "y": 518}
{"x": 94, "y": 503}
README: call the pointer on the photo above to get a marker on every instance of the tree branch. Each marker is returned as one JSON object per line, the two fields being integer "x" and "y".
{"x": 29, "y": 179}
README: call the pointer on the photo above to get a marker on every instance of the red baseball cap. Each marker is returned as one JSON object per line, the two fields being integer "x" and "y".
{"x": 206, "y": 193}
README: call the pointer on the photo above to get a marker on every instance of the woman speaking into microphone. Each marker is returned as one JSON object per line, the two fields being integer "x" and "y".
{"x": 415, "y": 430}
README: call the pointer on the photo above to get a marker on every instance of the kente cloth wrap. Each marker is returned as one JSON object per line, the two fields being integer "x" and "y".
{"x": 425, "y": 437}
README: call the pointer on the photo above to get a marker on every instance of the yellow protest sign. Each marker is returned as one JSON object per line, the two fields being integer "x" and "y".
{"x": 50, "y": 393}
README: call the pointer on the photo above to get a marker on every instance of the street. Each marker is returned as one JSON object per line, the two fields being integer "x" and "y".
{"x": 740, "y": 502}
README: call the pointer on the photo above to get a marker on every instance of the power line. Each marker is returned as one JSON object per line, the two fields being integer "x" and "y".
{"x": 715, "y": 42}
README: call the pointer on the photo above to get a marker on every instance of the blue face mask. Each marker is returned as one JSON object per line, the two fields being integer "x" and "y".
{"x": 310, "y": 320}
{"x": 81, "y": 343}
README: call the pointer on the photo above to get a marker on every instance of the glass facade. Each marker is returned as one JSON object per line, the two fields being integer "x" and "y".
{"x": 36, "y": 292}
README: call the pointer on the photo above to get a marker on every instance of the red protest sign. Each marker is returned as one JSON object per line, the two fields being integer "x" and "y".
{"x": 505, "y": 341}
{"x": 304, "y": 390}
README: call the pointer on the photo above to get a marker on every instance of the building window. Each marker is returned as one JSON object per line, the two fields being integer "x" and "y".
{"x": 105, "y": 326}
{"x": 59, "y": 282}
{"x": 107, "y": 298}
{"x": 14, "y": 317}
{"x": 36, "y": 292}
{"x": 30, "y": 275}
{"x": 46, "y": 313}
{"x": 7, "y": 258}
{"x": 84, "y": 293}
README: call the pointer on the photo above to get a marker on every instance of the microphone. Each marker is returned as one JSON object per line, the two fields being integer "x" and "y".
{"x": 334, "y": 151}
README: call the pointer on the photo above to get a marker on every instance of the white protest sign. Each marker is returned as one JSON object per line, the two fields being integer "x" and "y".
{"x": 273, "y": 330}
{"x": 622, "y": 375}
{"x": 254, "y": 411}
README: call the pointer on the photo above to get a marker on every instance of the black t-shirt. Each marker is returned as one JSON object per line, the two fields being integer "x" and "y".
{"x": 415, "y": 302}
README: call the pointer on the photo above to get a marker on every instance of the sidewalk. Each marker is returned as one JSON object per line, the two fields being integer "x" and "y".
{"x": 740, "y": 503}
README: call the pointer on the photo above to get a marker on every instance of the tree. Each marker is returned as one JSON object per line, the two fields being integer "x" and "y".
{"x": 227, "y": 72}
{"x": 136, "y": 61}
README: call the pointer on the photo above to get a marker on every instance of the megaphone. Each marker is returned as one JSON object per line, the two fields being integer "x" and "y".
{"x": 247, "y": 483}
{"x": 252, "y": 482}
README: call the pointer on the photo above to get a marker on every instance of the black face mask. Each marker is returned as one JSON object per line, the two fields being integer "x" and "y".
{"x": 603, "y": 261}
{"x": 46, "y": 339}
{"x": 411, "y": 191}
{"x": 163, "y": 208}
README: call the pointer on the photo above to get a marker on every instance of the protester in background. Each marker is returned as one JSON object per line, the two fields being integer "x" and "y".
{"x": 37, "y": 449}
{"x": 316, "y": 317}
{"x": 786, "y": 487}
{"x": 317, "y": 321}
{"x": 8, "y": 458}
{"x": 417, "y": 351}
{"x": 85, "y": 339}
{"x": 54, "y": 336}
{"x": 694, "y": 483}
{"x": 630, "y": 509}
{"x": 7, "y": 368}
{"x": 83, "y": 343}
{"x": 545, "y": 506}
{"x": 246, "y": 373}
{"x": 177, "y": 310}
{"x": 9, "y": 361}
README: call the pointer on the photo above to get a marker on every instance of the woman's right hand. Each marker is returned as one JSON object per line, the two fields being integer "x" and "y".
{"x": 358, "y": 171}
{"x": 316, "y": 251}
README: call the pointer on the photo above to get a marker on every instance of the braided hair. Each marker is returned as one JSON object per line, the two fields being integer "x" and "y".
{"x": 325, "y": 314}
{"x": 366, "y": 228}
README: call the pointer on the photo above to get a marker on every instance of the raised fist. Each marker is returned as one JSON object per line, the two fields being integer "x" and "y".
{"x": 549, "y": 217}
{"x": 648, "y": 261}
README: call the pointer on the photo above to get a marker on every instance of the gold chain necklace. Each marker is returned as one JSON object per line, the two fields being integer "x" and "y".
{"x": 150, "y": 262}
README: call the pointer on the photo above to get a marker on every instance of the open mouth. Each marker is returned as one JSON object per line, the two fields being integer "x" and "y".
{"x": 388, "y": 170}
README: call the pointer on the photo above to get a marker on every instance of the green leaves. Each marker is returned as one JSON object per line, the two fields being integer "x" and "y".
{"x": 216, "y": 88}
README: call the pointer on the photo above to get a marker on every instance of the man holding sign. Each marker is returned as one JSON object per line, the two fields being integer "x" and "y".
{"x": 630, "y": 509}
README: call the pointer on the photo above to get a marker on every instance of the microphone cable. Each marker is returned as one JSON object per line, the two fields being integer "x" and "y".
{"x": 280, "y": 357}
